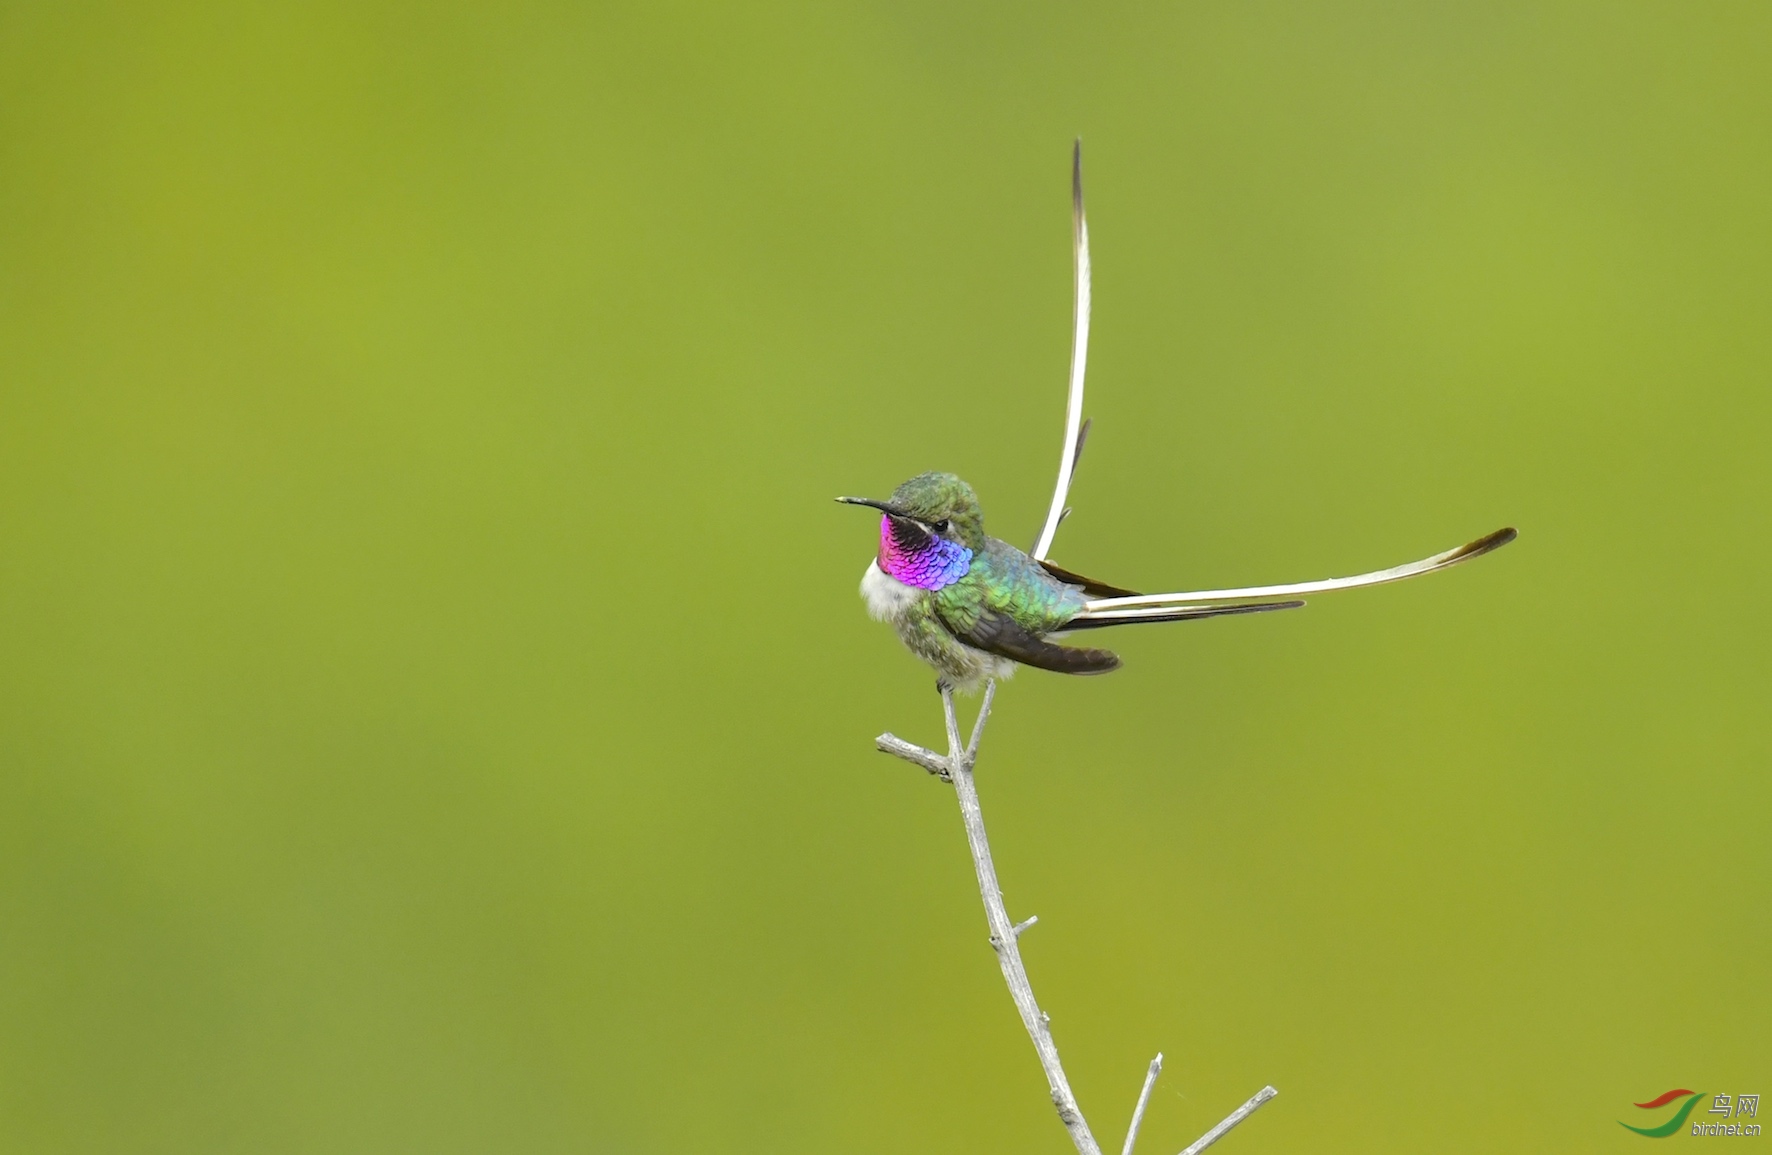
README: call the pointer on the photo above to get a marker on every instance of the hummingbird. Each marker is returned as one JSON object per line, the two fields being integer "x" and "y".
{"x": 976, "y": 608}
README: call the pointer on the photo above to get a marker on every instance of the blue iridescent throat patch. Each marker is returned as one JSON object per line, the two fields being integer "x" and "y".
{"x": 930, "y": 564}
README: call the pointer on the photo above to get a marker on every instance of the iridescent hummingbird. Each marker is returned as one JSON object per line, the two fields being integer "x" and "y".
{"x": 975, "y": 607}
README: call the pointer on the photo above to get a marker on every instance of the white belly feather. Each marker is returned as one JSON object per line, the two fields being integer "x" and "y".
{"x": 887, "y": 597}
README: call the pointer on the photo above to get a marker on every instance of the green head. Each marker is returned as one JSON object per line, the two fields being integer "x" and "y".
{"x": 941, "y": 502}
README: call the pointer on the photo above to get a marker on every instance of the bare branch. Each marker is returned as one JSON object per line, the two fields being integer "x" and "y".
{"x": 914, "y": 754}
{"x": 956, "y": 768}
{"x": 1003, "y": 935}
{"x": 1144, "y": 1097}
{"x": 1073, "y": 414}
{"x": 984, "y": 713}
{"x": 953, "y": 725}
{"x": 1231, "y": 1120}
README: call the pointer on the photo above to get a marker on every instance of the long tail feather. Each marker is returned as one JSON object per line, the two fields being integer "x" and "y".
{"x": 1439, "y": 561}
{"x": 1101, "y": 618}
{"x": 1073, "y": 413}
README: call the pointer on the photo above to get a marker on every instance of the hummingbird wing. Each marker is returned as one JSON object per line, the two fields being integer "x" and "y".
{"x": 1145, "y": 606}
{"x": 1002, "y": 635}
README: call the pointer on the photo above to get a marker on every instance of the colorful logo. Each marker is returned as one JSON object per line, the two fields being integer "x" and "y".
{"x": 1673, "y": 1124}
{"x": 1740, "y": 1106}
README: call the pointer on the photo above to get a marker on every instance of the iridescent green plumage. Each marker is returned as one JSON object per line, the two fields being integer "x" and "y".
{"x": 979, "y": 623}
{"x": 1000, "y": 612}
{"x": 974, "y": 607}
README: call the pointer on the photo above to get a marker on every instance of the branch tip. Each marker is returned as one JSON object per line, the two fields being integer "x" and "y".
{"x": 1241, "y": 1113}
{"x": 1144, "y": 1098}
{"x": 984, "y": 715}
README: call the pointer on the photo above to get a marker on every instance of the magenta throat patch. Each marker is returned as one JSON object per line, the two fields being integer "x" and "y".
{"x": 921, "y": 559}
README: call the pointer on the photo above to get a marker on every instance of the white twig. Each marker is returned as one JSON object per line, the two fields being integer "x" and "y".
{"x": 1231, "y": 1120}
{"x": 1003, "y": 939}
{"x": 956, "y": 768}
{"x": 1144, "y": 1096}
{"x": 984, "y": 714}
{"x": 915, "y": 754}
{"x": 1073, "y": 414}
{"x": 1003, "y": 932}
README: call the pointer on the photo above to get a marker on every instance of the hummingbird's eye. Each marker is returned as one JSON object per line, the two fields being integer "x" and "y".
{"x": 939, "y": 526}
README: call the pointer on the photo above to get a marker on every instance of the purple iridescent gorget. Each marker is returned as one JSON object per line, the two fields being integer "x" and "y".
{"x": 921, "y": 559}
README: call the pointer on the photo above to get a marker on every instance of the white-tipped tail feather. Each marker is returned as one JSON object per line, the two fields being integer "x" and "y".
{"x": 1073, "y": 413}
{"x": 1131, "y": 609}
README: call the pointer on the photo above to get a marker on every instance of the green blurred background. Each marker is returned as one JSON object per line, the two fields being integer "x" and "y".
{"x": 437, "y": 709}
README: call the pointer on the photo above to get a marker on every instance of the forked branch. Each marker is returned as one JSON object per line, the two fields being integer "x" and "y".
{"x": 1005, "y": 934}
{"x": 956, "y": 768}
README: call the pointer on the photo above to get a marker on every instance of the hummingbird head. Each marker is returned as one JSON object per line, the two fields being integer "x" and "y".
{"x": 931, "y": 527}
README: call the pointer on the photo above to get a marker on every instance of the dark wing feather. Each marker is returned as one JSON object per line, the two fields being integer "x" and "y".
{"x": 1089, "y": 585}
{"x": 1002, "y": 635}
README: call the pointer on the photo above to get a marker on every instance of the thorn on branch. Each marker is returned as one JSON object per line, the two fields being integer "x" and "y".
{"x": 1030, "y": 920}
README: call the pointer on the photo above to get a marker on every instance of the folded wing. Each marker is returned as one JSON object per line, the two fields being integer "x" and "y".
{"x": 1002, "y": 635}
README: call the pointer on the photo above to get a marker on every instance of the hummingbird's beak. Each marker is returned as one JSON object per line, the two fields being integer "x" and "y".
{"x": 885, "y": 507}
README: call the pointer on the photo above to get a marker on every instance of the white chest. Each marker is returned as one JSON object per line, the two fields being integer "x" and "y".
{"x": 887, "y": 597}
